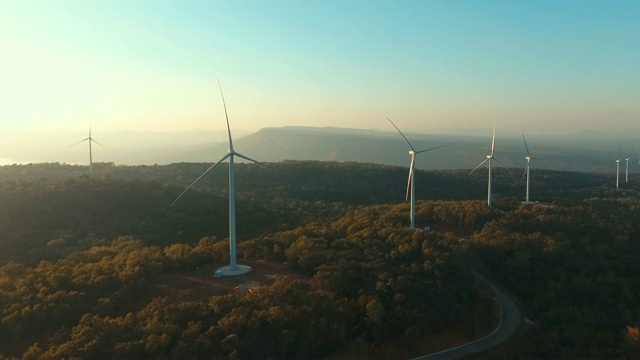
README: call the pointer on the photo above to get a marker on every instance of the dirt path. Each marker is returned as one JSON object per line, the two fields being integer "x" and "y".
{"x": 199, "y": 284}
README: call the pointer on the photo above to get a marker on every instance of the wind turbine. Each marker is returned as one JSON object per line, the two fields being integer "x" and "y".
{"x": 526, "y": 170}
{"x": 618, "y": 167}
{"x": 90, "y": 139}
{"x": 411, "y": 189}
{"x": 233, "y": 269}
{"x": 488, "y": 159}
{"x": 626, "y": 175}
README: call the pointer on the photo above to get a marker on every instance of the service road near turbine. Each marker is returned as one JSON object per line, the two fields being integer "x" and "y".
{"x": 509, "y": 322}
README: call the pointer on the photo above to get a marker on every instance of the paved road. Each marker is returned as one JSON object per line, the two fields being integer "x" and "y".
{"x": 509, "y": 321}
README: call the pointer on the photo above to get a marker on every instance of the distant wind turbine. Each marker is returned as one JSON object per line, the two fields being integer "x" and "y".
{"x": 90, "y": 139}
{"x": 626, "y": 175}
{"x": 526, "y": 170}
{"x": 411, "y": 189}
{"x": 489, "y": 158}
{"x": 233, "y": 268}
{"x": 618, "y": 167}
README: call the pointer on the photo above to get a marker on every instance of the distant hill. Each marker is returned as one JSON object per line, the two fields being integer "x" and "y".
{"x": 582, "y": 151}
{"x": 578, "y": 153}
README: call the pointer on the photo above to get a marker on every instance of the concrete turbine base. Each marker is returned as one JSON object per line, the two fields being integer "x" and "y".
{"x": 226, "y": 271}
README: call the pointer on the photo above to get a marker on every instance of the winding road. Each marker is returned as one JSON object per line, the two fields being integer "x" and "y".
{"x": 509, "y": 321}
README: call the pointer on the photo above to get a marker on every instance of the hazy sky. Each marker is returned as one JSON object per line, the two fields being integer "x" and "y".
{"x": 532, "y": 66}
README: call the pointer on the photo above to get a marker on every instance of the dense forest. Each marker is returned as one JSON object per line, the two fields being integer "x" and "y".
{"x": 82, "y": 259}
{"x": 575, "y": 267}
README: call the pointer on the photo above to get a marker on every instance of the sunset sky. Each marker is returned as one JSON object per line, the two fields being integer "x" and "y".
{"x": 532, "y": 66}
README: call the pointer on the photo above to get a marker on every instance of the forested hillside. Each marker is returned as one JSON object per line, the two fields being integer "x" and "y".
{"x": 83, "y": 258}
{"x": 369, "y": 276}
{"x": 575, "y": 267}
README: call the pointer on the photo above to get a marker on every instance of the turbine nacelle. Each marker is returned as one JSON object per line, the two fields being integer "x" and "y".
{"x": 528, "y": 158}
{"x": 489, "y": 156}
{"x": 411, "y": 152}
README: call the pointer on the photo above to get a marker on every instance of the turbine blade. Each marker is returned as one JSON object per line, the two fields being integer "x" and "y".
{"x": 226, "y": 115}
{"x": 524, "y": 174}
{"x": 83, "y": 140}
{"x": 199, "y": 177}
{"x": 619, "y": 152}
{"x": 409, "y": 184}
{"x": 633, "y": 148}
{"x": 404, "y": 137}
{"x": 503, "y": 165}
{"x": 525, "y": 145}
{"x": 476, "y": 168}
{"x": 98, "y": 143}
{"x": 493, "y": 140}
{"x": 250, "y": 159}
{"x": 433, "y": 148}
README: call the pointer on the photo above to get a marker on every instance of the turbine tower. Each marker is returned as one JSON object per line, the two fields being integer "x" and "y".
{"x": 526, "y": 170}
{"x": 233, "y": 269}
{"x": 626, "y": 175}
{"x": 411, "y": 189}
{"x": 90, "y": 139}
{"x": 488, "y": 159}
{"x": 618, "y": 167}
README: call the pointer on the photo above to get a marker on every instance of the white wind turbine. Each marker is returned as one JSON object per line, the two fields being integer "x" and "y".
{"x": 526, "y": 170}
{"x": 411, "y": 189}
{"x": 618, "y": 167}
{"x": 626, "y": 175}
{"x": 489, "y": 158}
{"x": 90, "y": 139}
{"x": 233, "y": 268}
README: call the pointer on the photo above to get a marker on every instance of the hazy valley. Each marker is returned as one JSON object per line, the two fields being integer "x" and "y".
{"x": 589, "y": 152}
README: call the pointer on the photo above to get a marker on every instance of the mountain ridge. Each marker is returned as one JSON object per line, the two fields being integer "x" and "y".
{"x": 582, "y": 151}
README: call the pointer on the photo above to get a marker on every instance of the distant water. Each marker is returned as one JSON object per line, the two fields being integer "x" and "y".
{"x": 6, "y": 161}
